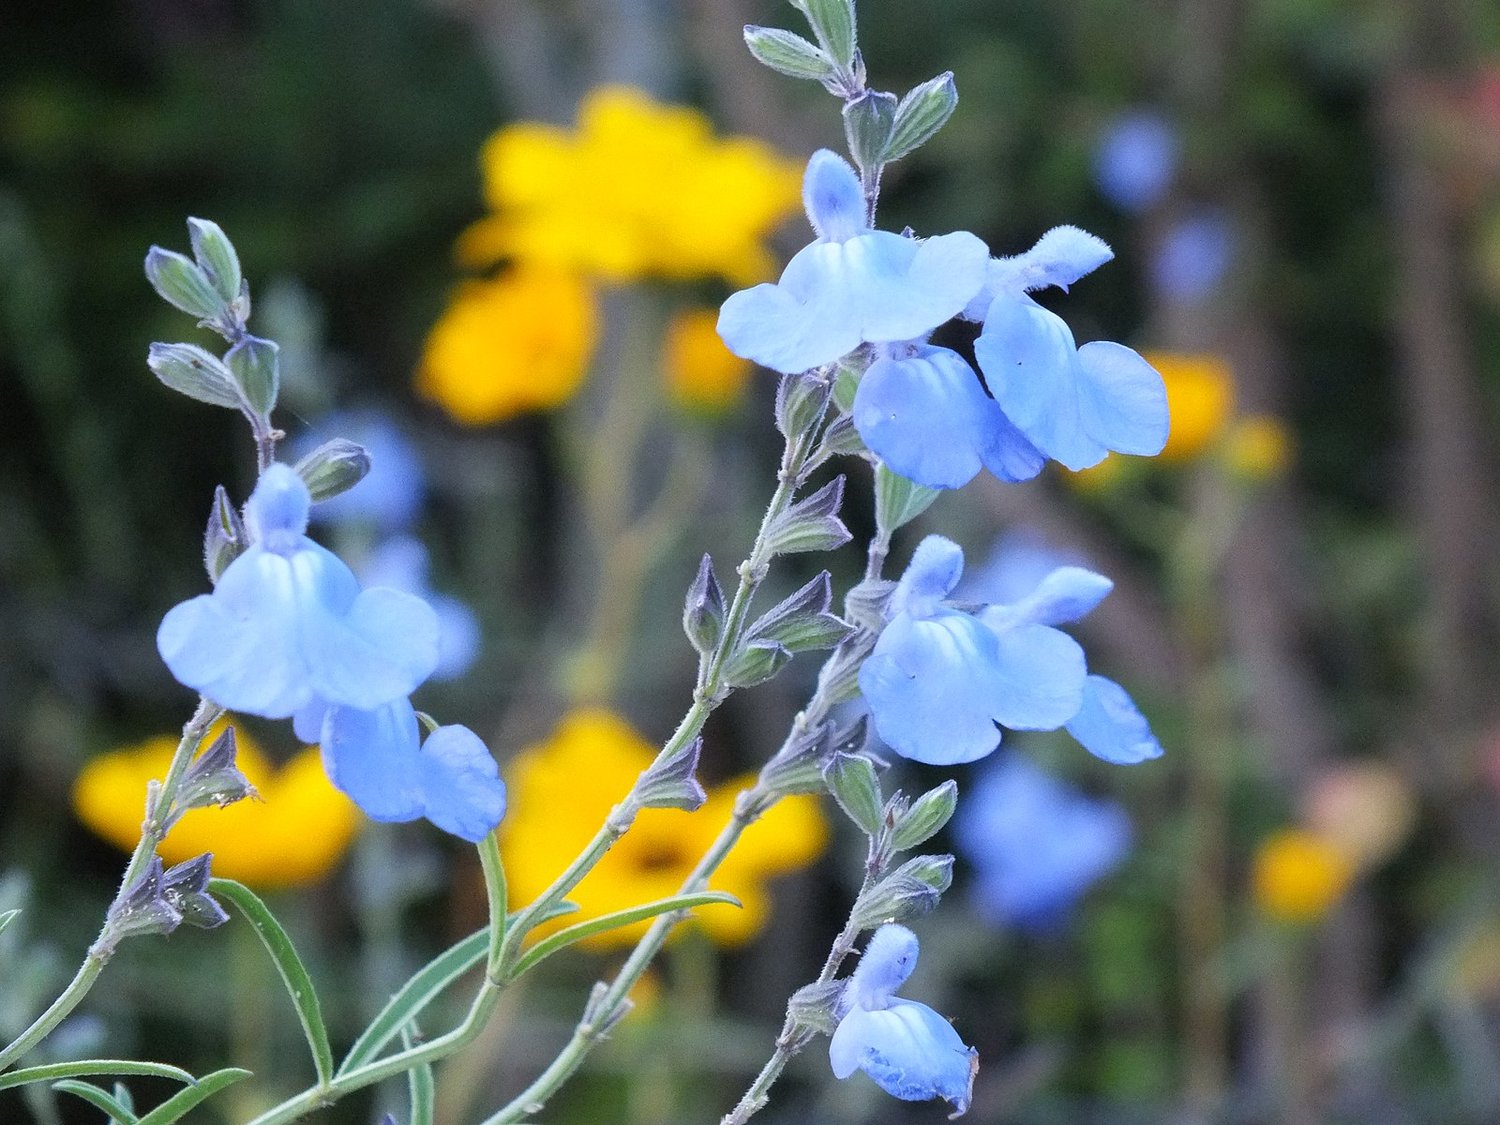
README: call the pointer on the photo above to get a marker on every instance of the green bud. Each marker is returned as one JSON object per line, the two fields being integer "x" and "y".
{"x": 190, "y": 370}
{"x": 257, "y": 369}
{"x": 183, "y": 283}
{"x": 910, "y": 891}
{"x": 670, "y": 783}
{"x": 812, "y": 1006}
{"x": 921, "y": 114}
{"x": 925, "y": 818}
{"x": 216, "y": 257}
{"x": 868, "y": 122}
{"x": 755, "y": 662}
{"x": 833, "y": 23}
{"x": 703, "y": 610}
{"x": 800, "y": 403}
{"x": 802, "y": 621}
{"x": 852, "y": 781}
{"x": 811, "y": 524}
{"x": 798, "y": 766}
{"x": 333, "y": 468}
{"x": 788, "y": 54}
{"x": 898, "y": 501}
{"x": 225, "y": 538}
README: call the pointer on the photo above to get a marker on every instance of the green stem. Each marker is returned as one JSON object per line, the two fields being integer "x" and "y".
{"x": 321, "y": 1096}
{"x": 153, "y": 830}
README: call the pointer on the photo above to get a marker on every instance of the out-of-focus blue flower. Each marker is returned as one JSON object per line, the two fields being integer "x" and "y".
{"x": 938, "y": 680}
{"x": 853, "y": 285}
{"x": 1017, "y": 563}
{"x": 378, "y": 757}
{"x": 402, "y": 564}
{"x": 922, "y": 410}
{"x": 390, "y": 495}
{"x": 909, "y": 1050}
{"x": 1194, "y": 256}
{"x": 1036, "y": 843}
{"x": 287, "y": 625}
{"x": 1136, "y": 159}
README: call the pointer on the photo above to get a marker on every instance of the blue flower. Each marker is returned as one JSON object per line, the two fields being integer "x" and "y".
{"x": 401, "y": 563}
{"x": 938, "y": 679}
{"x": 390, "y": 494}
{"x": 922, "y": 410}
{"x": 1036, "y": 843}
{"x": 287, "y": 626}
{"x": 1136, "y": 159}
{"x": 1073, "y": 404}
{"x": 378, "y": 758}
{"x": 909, "y": 1050}
{"x": 853, "y": 285}
{"x": 1193, "y": 257}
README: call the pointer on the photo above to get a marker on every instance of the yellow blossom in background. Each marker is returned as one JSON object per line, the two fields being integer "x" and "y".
{"x": 1259, "y": 447}
{"x": 517, "y": 343}
{"x": 295, "y": 833}
{"x": 1096, "y": 479}
{"x": 1299, "y": 876}
{"x": 638, "y": 190}
{"x": 1200, "y": 401}
{"x": 562, "y": 790}
{"x": 702, "y": 374}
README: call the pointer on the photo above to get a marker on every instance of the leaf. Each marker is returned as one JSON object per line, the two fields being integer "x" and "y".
{"x": 177, "y": 1106}
{"x": 605, "y": 922}
{"x": 424, "y": 986}
{"x": 293, "y": 974}
{"x": 82, "y": 1067}
{"x": 420, "y": 1085}
{"x": 99, "y": 1099}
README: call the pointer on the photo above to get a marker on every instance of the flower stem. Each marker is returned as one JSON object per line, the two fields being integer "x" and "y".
{"x": 153, "y": 829}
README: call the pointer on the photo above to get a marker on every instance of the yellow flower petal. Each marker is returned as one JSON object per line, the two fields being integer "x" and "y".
{"x": 1200, "y": 401}
{"x": 562, "y": 790}
{"x": 1299, "y": 876}
{"x": 702, "y": 374}
{"x": 518, "y": 343}
{"x": 294, "y": 834}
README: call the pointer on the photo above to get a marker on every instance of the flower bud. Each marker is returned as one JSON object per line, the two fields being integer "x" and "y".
{"x": 190, "y": 370}
{"x": 910, "y": 891}
{"x": 333, "y": 468}
{"x": 257, "y": 369}
{"x": 921, "y": 114}
{"x": 183, "y": 283}
{"x": 852, "y": 781}
{"x": 925, "y": 818}
{"x": 868, "y": 122}
{"x": 216, "y": 257}
{"x": 225, "y": 538}
{"x": 788, "y": 54}
{"x": 703, "y": 611}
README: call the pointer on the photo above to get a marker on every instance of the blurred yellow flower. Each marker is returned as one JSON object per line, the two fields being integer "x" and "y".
{"x": 295, "y": 833}
{"x": 1200, "y": 400}
{"x": 1259, "y": 447}
{"x": 516, "y": 343}
{"x": 1096, "y": 479}
{"x": 639, "y": 190}
{"x": 702, "y": 374}
{"x": 1299, "y": 875}
{"x": 562, "y": 790}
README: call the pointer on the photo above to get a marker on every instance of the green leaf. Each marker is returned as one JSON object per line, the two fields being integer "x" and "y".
{"x": 605, "y": 922}
{"x": 294, "y": 975}
{"x": 420, "y": 1085}
{"x": 92, "y": 1066}
{"x": 424, "y": 986}
{"x": 99, "y": 1099}
{"x": 179, "y": 1104}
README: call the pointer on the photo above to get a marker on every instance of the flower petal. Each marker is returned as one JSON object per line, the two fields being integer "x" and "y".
{"x": 373, "y": 756}
{"x": 832, "y": 195}
{"x": 461, "y": 783}
{"x": 1040, "y": 673}
{"x": 1110, "y": 726}
{"x": 923, "y": 415}
{"x": 935, "y": 568}
{"x": 383, "y": 649}
{"x": 909, "y": 1050}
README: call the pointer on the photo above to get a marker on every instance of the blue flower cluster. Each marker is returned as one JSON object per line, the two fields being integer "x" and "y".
{"x": 1036, "y": 844}
{"x": 289, "y": 633}
{"x": 921, "y": 408}
{"x": 908, "y": 1049}
{"x": 941, "y": 677}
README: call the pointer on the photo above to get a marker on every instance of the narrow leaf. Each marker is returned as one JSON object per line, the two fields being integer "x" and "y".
{"x": 99, "y": 1099}
{"x": 605, "y": 922}
{"x": 294, "y": 975}
{"x": 83, "y": 1067}
{"x": 181, "y": 1103}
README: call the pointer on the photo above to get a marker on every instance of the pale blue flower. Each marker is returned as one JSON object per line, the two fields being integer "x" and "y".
{"x": 853, "y": 285}
{"x": 923, "y": 411}
{"x": 909, "y": 1050}
{"x": 1194, "y": 257}
{"x": 401, "y": 563}
{"x": 939, "y": 680}
{"x": 379, "y": 759}
{"x": 1136, "y": 159}
{"x": 1110, "y": 726}
{"x": 1073, "y": 404}
{"x": 1036, "y": 843}
{"x": 390, "y": 495}
{"x": 288, "y": 626}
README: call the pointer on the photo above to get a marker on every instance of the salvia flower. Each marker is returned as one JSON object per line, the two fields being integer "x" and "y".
{"x": 853, "y": 285}
{"x": 401, "y": 563}
{"x": 909, "y": 1050}
{"x": 379, "y": 758}
{"x": 940, "y": 677}
{"x": 1036, "y": 844}
{"x": 1194, "y": 257}
{"x": 287, "y": 627}
{"x": 1136, "y": 159}
{"x": 1074, "y": 404}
